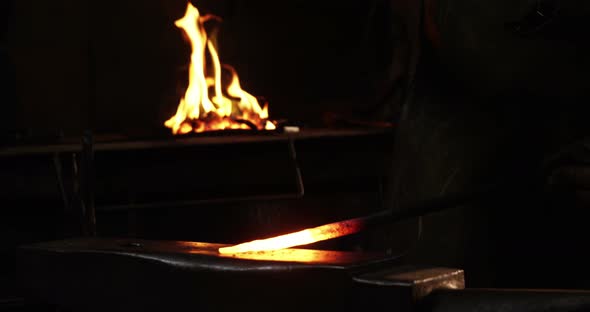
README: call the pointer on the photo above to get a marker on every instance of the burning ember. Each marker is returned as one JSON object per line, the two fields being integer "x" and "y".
{"x": 211, "y": 102}
{"x": 308, "y": 236}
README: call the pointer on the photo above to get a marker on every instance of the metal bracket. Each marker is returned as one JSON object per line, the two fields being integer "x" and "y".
{"x": 299, "y": 193}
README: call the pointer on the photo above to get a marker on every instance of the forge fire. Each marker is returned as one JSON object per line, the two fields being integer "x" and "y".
{"x": 214, "y": 99}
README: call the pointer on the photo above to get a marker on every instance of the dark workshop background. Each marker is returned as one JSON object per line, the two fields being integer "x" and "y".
{"x": 485, "y": 92}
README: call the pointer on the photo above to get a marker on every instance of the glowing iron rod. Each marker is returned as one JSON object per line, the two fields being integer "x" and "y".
{"x": 352, "y": 226}
{"x": 304, "y": 237}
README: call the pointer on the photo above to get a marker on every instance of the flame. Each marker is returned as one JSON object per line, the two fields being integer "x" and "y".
{"x": 226, "y": 108}
{"x": 304, "y": 237}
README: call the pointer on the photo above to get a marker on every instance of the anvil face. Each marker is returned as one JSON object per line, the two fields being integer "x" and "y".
{"x": 97, "y": 274}
{"x": 206, "y": 255}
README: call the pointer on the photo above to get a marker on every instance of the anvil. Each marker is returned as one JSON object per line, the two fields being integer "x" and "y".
{"x": 92, "y": 274}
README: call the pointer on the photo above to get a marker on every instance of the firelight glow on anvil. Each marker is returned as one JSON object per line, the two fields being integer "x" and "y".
{"x": 209, "y": 103}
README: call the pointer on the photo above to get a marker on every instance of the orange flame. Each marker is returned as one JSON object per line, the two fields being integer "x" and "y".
{"x": 304, "y": 237}
{"x": 225, "y": 108}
